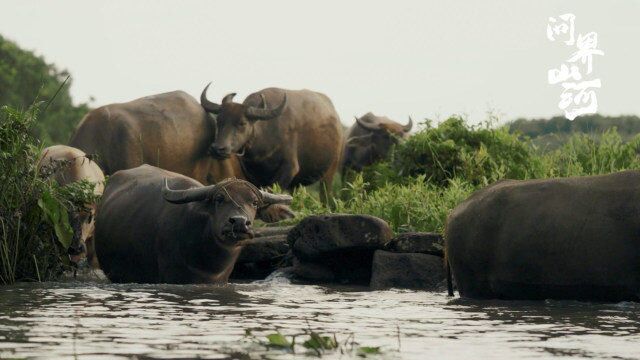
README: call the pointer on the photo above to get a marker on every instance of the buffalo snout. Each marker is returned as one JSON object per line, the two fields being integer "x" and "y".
{"x": 220, "y": 152}
{"x": 240, "y": 224}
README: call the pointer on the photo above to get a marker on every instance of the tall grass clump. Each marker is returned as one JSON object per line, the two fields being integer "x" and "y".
{"x": 413, "y": 206}
{"x": 584, "y": 154}
{"x": 34, "y": 226}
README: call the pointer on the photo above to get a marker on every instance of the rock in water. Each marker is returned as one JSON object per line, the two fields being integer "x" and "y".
{"x": 339, "y": 247}
{"x": 260, "y": 257}
{"x": 315, "y": 236}
{"x": 417, "y": 242}
{"x": 407, "y": 271}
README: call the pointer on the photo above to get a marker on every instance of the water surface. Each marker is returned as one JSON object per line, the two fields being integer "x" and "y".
{"x": 98, "y": 320}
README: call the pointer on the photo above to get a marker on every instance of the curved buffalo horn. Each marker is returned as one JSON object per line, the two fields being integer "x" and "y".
{"x": 368, "y": 125}
{"x": 409, "y": 125}
{"x": 269, "y": 198}
{"x": 228, "y": 98}
{"x": 265, "y": 113}
{"x": 187, "y": 195}
{"x": 206, "y": 104}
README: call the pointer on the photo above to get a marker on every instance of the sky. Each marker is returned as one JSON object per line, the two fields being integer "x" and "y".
{"x": 426, "y": 59}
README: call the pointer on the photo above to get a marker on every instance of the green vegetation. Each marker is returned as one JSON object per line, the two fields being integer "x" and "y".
{"x": 314, "y": 343}
{"x": 34, "y": 225}
{"x": 550, "y": 134}
{"x": 25, "y": 77}
{"x": 428, "y": 175}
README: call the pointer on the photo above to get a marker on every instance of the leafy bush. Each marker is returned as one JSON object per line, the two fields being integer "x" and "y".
{"x": 34, "y": 226}
{"x": 479, "y": 155}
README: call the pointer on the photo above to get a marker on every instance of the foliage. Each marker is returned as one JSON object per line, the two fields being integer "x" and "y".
{"x": 314, "y": 342}
{"x": 479, "y": 155}
{"x": 627, "y": 125}
{"x": 34, "y": 226}
{"x": 24, "y": 77}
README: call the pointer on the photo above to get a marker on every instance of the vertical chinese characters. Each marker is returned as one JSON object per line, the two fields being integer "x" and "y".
{"x": 578, "y": 96}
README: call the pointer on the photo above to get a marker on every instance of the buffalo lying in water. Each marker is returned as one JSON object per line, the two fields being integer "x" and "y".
{"x": 370, "y": 139}
{"x": 67, "y": 165}
{"x": 297, "y": 142}
{"x": 156, "y": 226}
{"x": 570, "y": 238}
{"x": 171, "y": 131}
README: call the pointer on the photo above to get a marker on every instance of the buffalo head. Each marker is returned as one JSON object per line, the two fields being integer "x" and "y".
{"x": 230, "y": 206}
{"x": 372, "y": 139}
{"x": 83, "y": 225}
{"x": 235, "y": 122}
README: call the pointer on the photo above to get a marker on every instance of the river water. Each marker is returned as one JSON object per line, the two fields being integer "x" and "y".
{"x": 94, "y": 320}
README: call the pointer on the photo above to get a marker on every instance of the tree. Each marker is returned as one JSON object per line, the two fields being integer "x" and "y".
{"x": 25, "y": 78}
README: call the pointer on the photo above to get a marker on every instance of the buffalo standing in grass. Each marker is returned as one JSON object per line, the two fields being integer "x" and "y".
{"x": 568, "y": 238}
{"x": 67, "y": 165}
{"x": 296, "y": 142}
{"x": 156, "y": 226}
{"x": 171, "y": 131}
{"x": 370, "y": 139}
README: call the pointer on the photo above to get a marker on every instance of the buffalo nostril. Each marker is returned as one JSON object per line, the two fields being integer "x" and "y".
{"x": 248, "y": 223}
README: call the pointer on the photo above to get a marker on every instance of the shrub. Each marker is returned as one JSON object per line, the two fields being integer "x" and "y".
{"x": 34, "y": 228}
{"x": 479, "y": 155}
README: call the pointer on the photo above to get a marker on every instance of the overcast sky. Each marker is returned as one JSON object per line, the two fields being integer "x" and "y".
{"x": 427, "y": 59}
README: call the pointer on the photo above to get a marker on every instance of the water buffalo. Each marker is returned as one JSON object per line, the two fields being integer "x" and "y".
{"x": 296, "y": 142}
{"x": 370, "y": 139}
{"x": 568, "y": 238}
{"x": 157, "y": 226}
{"x": 67, "y": 165}
{"x": 170, "y": 130}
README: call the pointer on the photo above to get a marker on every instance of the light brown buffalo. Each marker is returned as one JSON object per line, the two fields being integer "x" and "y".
{"x": 171, "y": 131}
{"x": 296, "y": 142}
{"x": 370, "y": 139}
{"x": 67, "y": 165}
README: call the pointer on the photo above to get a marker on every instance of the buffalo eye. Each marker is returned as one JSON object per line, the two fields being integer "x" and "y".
{"x": 255, "y": 204}
{"x": 219, "y": 199}
{"x": 241, "y": 125}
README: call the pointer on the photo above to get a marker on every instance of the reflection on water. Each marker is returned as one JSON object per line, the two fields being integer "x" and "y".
{"x": 94, "y": 320}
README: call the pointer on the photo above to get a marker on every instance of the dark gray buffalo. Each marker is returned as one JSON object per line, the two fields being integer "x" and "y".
{"x": 370, "y": 139}
{"x": 171, "y": 131}
{"x": 296, "y": 142}
{"x": 156, "y": 226}
{"x": 571, "y": 238}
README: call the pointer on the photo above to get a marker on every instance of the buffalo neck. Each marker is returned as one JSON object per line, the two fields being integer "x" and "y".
{"x": 261, "y": 145}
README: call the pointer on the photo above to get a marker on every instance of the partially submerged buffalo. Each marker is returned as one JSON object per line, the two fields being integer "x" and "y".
{"x": 570, "y": 238}
{"x": 156, "y": 226}
{"x": 66, "y": 165}
{"x": 171, "y": 131}
{"x": 370, "y": 139}
{"x": 297, "y": 141}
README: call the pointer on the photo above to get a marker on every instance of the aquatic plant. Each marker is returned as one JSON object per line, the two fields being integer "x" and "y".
{"x": 314, "y": 342}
